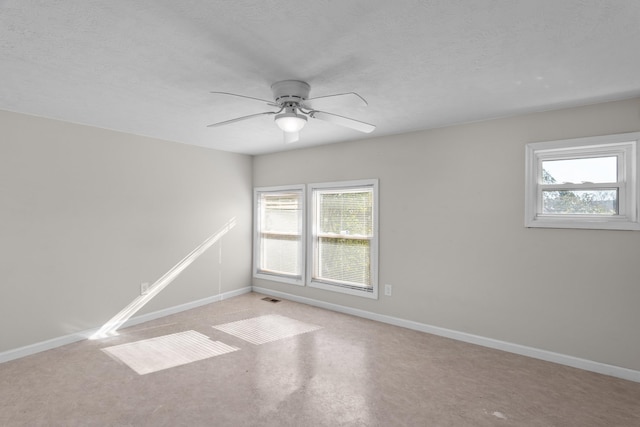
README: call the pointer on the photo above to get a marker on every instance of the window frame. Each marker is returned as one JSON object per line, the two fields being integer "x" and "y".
{"x": 622, "y": 146}
{"x": 312, "y": 241}
{"x": 257, "y": 248}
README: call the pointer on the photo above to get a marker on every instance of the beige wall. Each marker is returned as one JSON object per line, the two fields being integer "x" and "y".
{"x": 87, "y": 214}
{"x": 453, "y": 243}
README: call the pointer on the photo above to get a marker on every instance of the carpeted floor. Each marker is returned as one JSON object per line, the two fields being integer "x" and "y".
{"x": 249, "y": 362}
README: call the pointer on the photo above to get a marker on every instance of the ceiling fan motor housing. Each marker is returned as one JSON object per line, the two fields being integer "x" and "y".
{"x": 290, "y": 91}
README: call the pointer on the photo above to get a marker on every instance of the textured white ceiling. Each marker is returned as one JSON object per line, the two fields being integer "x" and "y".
{"x": 147, "y": 66}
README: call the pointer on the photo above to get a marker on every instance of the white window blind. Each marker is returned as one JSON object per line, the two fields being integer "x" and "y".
{"x": 344, "y": 241}
{"x": 345, "y": 228}
{"x": 279, "y": 234}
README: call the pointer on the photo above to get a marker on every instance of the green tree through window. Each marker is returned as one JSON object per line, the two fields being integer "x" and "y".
{"x": 585, "y": 202}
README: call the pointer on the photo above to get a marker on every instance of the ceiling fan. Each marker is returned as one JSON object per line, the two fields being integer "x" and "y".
{"x": 294, "y": 107}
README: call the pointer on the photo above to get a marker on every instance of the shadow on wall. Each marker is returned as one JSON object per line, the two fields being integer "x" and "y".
{"x": 110, "y": 328}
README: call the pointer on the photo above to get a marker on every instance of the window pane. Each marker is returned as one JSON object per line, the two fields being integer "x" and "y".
{"x": 282, "y": 212}
{"x": 343, "y": 240}
{"x": 280, "y": 254}
{"x": 347, "y": 213}
{"x": 280, "y": 232}
{"x": 345, "y": 260}
{"x": 578, "y": 171}
{"x": 587, "y": 202}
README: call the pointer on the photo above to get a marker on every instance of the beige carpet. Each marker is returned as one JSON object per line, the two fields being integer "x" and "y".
{"x": 322, "y": 369}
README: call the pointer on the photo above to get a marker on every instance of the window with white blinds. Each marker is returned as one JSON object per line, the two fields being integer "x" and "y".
{"x": 343, "y": 242}
{"x": 279, "y": 234}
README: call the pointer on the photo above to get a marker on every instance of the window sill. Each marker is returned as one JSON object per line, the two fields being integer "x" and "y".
{"x": 373, "y": 294}
{"x": 274, "y": 277}
{"x": 583, "y": 223}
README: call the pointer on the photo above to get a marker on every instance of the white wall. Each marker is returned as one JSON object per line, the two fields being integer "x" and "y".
{"x": 453, "y": 243}
{"x": 87, "y": 214}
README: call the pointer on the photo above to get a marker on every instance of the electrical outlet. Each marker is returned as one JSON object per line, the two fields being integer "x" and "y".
{"x": 387, "y": 290}
{"x": 144, "y": 288}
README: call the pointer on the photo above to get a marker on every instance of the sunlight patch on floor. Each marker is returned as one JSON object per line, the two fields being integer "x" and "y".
{"x": 168, "y": 351}
{"x": 268, "y": 328}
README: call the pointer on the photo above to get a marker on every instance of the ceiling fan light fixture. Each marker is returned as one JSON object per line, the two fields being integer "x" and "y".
{"x": 291, "y": 97}
{"x": 291, "y": 122}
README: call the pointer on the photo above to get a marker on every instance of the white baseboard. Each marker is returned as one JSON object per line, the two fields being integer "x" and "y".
{"x": 82, "y": 335}
{"x": 183, "y": 307}
{"x": 588, "y": 365}
{"x": 549, "y": 356}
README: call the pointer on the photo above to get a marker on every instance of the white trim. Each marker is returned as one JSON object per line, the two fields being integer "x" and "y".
{"x": 549, "y": 356}
{"x": 38, "y": 347}
{"x": 256, "y": 237}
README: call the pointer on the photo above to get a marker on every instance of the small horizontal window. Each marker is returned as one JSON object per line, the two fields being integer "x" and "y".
{"x": 583, "y": 183}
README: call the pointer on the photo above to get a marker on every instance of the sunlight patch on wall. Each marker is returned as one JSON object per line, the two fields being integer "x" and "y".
{"x": 109, "y": 328}
{"x": 268, "y": 328}
{"x": 156, "y": 354}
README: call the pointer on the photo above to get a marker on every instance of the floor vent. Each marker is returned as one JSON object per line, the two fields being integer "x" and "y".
{"x": 269, "y": 299}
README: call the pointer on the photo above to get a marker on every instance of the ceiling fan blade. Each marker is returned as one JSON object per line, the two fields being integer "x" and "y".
{"x": 343, "y": 121}
{"x": 348, "y": 100}
{"x": 266, "y": 101}
{"x": 238, "y": 119}
{"x": 290, "y": 137}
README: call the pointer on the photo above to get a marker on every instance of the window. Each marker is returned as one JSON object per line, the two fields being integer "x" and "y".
{"x": 279, "y": 234}
{"x": 343, "y": 241}
{"x": 583, "y": 183}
